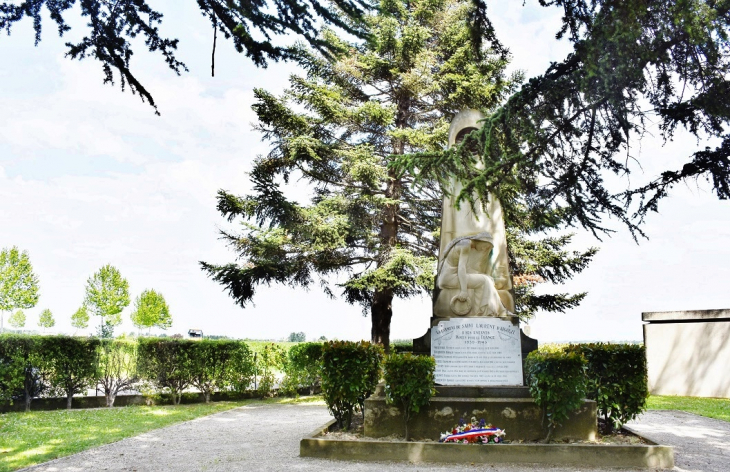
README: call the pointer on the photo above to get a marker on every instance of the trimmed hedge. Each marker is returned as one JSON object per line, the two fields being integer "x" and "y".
{"x": 350, "y": 372}
{"x": 409, "y": 381}
{"x": 167, "y": 364}
{"x": 557, "y": 382}
{"x": 69, "y": 364}
{"x": 211, "y": 365}
{"x": 20, "y": 368}
{"x": 616, "y": 380}
{"x": 32, "y": 366}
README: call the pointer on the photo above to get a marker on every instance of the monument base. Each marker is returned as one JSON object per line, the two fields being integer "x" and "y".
{"x": 509, "y": 408}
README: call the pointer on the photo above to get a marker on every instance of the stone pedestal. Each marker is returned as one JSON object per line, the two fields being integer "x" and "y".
{"x": 509, "y": 408}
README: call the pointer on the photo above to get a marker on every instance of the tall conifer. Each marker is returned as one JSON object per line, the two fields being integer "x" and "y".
{"x": 338, "y": 128}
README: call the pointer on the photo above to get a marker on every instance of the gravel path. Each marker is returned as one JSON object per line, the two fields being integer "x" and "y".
{"x": 700, "y": 444}
{"x": 261, "y": 437}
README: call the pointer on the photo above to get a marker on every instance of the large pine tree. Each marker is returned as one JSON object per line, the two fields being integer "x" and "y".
{"x": 339, "y": 128}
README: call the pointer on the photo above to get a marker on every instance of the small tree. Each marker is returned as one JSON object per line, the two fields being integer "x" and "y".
{"x": 80, "y": 319}
{"x": 117, "y": 368}
{"x": 299, "y": 337}
{"x": 18, "y": 283}
{"x": 107, "y": 294}
{"x": 17, "y": 319}
{"x": 70, "y": 364}
{"x": 150, "y": 309}
{"x": 269, "y": 359}
{"x": 45, "y": 320}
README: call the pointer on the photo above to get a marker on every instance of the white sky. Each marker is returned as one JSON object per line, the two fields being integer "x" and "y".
{"x": 90, "y": 176}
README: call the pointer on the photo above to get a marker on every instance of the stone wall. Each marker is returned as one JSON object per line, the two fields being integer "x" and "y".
{"x": 688, "y": 352}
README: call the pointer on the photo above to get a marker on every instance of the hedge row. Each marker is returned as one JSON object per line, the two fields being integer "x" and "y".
{"x": 35, "y": 366}
{"x": 614, "y": 375}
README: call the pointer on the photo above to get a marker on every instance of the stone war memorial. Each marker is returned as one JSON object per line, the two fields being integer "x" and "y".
{"x": 475, "y": 336}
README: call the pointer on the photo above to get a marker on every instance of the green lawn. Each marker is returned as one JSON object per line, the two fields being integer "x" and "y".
{"x": 718, "y": 408}
{"x": 39, "y": 436}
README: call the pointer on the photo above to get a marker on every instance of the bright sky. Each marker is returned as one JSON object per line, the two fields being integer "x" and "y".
{"x": 90, "y": 176}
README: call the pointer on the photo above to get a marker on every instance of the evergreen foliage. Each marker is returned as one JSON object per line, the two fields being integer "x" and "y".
{"x": 540, "y": 260}
{"x": 17, "y": 319}
{"x": 338, "y": 129}
{"x": 18, "y": 283}
{"x": 552, "y": 150}
{"x": 151, "y": 309}
{"x": 113, "y": 25}
{"x": 107, "y": 294}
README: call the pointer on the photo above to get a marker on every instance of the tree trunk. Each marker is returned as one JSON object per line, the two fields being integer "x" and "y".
{"x": 207, "y": 396}
{"x": 381, "y": 312}
{"x": 28, "y": 399}
{"x": 110, "y": 397}
{"x": 69, "y": 400}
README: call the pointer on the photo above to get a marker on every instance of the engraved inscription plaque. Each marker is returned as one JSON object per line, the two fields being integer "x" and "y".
{"x": 477, "y": 351}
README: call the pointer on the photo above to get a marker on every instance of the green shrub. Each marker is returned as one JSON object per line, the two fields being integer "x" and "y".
{"x": 409, "y": 381}
{"x": 557, "y": 383}
{"x": 616, "y": 380}
{"x": 69, "y": 364}
{"x": 401, "y": 345}
{"x": 302, "y": 367}
{"x": 166, "y": 363}
{"x": 21, "y": 376}
{"x": 269, "y": 359}
{"x": 211, "y": 365}
{"x": 117, "y": 367}
{"x": 244, "y": 368}
{"x": 350, "y": 372}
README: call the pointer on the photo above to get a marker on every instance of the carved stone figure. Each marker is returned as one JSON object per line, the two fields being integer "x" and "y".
{"x": 473, "y": 273}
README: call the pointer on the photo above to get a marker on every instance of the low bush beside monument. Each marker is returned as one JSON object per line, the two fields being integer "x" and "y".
{"x": 616, "y": 378}
{"x": 557, "y": 383}
{"x": 350, "y": 373}
{"x": 409, "y": 383}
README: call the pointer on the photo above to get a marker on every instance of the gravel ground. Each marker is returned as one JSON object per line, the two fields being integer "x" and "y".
{"x": 257, "y": 437}
{"x": 700, "y": 444}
